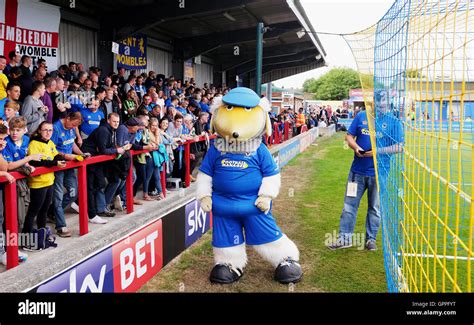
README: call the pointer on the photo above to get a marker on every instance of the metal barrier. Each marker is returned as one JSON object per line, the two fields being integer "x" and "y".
{"x": 10, "y": 202}
{"x": 187, "y": 156}
{"x": 11, "y": 216}
{"x": 277, "y": 136}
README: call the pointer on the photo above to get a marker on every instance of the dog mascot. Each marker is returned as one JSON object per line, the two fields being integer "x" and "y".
{"x": 237, "y": 181}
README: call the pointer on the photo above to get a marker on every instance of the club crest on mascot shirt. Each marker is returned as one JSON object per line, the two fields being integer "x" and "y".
{"x": 237, "y": 180}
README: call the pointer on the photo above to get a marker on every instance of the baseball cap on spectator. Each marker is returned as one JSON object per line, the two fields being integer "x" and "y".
{"x": 134, "y": 122}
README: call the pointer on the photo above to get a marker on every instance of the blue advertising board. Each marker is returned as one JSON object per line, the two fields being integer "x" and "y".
{"x": 289, "y": 152}
{"x": 197, "y": 222}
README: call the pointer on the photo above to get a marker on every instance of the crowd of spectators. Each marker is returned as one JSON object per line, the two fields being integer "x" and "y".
{"x": 49, "y": 118}
{"x": 313, "y": 116}
{"x": 70, "y": 114}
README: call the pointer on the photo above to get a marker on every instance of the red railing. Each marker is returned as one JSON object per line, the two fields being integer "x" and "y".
{"x": 10, "y": 203}
{"x": 187, "y": 157}
{"x": 288, "y": 131}
{"x": 11, "y": 213}
{"x": 278, "y": 137}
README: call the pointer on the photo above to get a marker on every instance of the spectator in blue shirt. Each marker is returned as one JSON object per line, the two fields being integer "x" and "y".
{"x": 181, "y": 108}
{"x": 15, "y": 153}
{"x": 178, "y": 88}
{"x": 63, "y": 137}
{"x": 140, "y": 88}
{"x": 169, "y": 99}
{"x": 205, "y": 105}
{"x": 173, "y": 101}
{"x": 74, "y": 97}
{"x": 146, "y": 106}
{"x": 91, "y": 117}
{"x": 17, "y": 145}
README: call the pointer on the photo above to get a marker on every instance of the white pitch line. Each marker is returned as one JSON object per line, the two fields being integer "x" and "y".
{"x": 462, "y": 194}
{"x": 448, "y": 257}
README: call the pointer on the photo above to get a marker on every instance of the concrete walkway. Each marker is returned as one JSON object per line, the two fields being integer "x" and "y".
{"x": 45, "y": 264}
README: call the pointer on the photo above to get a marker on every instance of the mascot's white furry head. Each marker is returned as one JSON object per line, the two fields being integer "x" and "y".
{"x": 240, "y": 116}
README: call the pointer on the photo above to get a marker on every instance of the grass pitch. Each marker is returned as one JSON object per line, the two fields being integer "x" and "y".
{"x": 308, "y": 211}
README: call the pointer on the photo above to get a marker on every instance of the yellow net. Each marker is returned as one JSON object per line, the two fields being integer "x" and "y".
{"x": 417, "y": 71}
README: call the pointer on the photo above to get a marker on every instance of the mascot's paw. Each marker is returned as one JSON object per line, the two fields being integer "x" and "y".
{"x": 263, "y": 203}
{"x": 288, "y": 271}
{"x": 225, "y": 274}
{"x": 206, "y": 203}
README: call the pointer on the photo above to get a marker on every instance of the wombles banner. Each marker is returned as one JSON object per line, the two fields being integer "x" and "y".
{"x": 132, "y": 53}
{"x": 30, "y": 28}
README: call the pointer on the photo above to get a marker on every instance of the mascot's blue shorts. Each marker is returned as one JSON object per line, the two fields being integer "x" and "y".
{"x": 259, "y": 229}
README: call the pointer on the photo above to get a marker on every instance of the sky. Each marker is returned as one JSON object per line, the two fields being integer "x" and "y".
{"x": 341, "y": 17}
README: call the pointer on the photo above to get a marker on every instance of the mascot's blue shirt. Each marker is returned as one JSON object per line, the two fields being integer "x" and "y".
{"x": 236, "y": 179}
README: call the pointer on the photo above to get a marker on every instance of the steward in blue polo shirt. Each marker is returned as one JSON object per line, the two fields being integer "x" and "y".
{"x": 389, "y": 140}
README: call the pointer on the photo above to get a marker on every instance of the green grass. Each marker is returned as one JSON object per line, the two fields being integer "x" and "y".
{"x": 307, "y": 209}
{"x": 349, "y": 270}
{"x": 434, "y": 154}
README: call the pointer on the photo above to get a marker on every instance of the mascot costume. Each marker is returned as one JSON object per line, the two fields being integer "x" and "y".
{"x": 237, "y": 181}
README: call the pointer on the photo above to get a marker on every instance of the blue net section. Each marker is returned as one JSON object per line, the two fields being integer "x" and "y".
{"x": 390, "y": 61}
{"x": 417, "y": 71}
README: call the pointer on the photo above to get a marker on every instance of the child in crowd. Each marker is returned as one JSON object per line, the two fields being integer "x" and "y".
{"x": 3, "y": 173}
{"x": 11, "y": 110}
{"x": 15, "y": 154}
{"x": 41, "y": 186}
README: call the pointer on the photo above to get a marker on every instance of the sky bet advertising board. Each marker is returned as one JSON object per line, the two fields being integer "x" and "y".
{"x": 197, "y": 222}
{"x": 124, "y": 266}
{"x": 127, "y": 264}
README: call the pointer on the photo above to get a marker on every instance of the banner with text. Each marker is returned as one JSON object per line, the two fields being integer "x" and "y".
{"x": 30, "y": 28}
{"x": 132, "y": 53}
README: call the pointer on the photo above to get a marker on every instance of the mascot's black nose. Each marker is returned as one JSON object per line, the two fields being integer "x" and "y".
{"x": 235, "y": 135}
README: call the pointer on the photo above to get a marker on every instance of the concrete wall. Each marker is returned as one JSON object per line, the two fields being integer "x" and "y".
{"x": 327, "y": 131}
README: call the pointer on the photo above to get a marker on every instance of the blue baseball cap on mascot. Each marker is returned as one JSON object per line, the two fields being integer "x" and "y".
{"x": 242, "y": 97}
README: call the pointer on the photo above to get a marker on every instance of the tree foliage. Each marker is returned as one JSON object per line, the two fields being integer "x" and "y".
{"x": 413, "y": 73}
{"x": 334, "y": 85}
